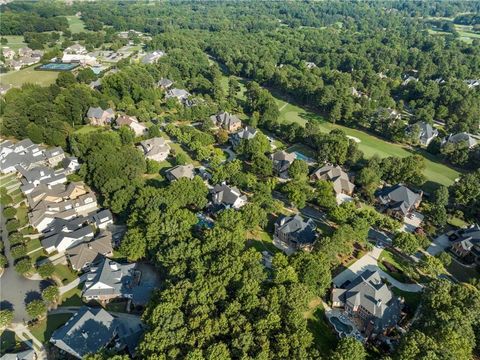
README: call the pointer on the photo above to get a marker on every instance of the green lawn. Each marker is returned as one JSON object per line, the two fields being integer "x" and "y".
{"x": 32, "y": 244}
{"x": 411, "y": 299}
{"x": 72, "y": 297}
{"x": 28, "y": 75}
{"x": 76, "y": 24}
{"x": 44, "y": 329}
{"x": 15, "y": 42}
{"x": 397, "y": 262}
{"x": 462, "y": 273}
{"x": 261, "y": 241}
{"x": 85, "y": 129}
{"x": 323, "y": 335}
{"x": 8, "y": 341}
{"x": 22, "y": 215}
{"x": 64, "y": 273}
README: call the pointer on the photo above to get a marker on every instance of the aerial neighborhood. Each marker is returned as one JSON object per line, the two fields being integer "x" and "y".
{"x": 283, "y": 180}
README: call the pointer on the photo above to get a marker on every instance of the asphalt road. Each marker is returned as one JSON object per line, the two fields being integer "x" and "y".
{"x": 15, "y": 289}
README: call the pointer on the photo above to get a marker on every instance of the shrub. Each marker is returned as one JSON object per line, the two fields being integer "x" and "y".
{"x": 36, "y": 308}
{"x": 23, "y": 266}
{"x": 51, "y": 293}
{"x": 46, "y": 270}
{"x": 12, "y": 225}
{"x": 6, "y": 317}
{"x": 16, "y": 238}
{"x": 9, "y": 212}
{"x": 3, "y": 261}
{"x": 18, "y": 251}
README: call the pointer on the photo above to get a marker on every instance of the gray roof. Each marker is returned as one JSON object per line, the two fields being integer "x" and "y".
{"x": 154, "y": 146}
{"x": 372, "y": 294}
{"x": 116, "y": 279}
{"x": 97, "y": 112}
{"x": 181, "y": 171}
{"x": 338, "y": 177}
{"x": 303, "y": 232}
{"x": 55, "y": 151}
{"x": 427, "y": 131}
{"x": 225, "y": 120}
{"x": 180, "y": 94}
{"x": 87, "y": 331}
{"x": 152, "y": 57}
{"x": 86, "y": 253}
{"x": 460, "y": 137}
{"x": 21, "y": 355}
{"x": 224, "y": 194}
{"x": 398, "y": 197}
{"x": 469, "y": 237}
{"x": 75, "y": 230}
{"x": 165, "y": 83}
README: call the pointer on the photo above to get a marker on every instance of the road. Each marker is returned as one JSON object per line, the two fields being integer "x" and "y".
{"x": 15, "y": 289}
{"x": 370, "y": 262}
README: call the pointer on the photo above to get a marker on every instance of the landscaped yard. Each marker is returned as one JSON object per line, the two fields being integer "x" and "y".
{"x": 87, "y": 129}
{"x": 8, "y": 341}
{"x": 22, "y": 215}
{"x": 462, "y": 273}
{"x": 72, "y": 297}
{"x": 44, "y": 329}
{"x": 28, "y": 75}
{"x": 323, "y": 335}
{"x": 261, "y": 241}
{"x": 393, "y": 259}
{"x": 33, "y": 244}
{"x": 64, "y": 274}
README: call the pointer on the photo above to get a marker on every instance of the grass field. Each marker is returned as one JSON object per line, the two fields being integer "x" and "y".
{"x": 85, "y": 129}
{"x": 15, "y": 42}
{"x": 465, "y": 32}
{"x": 76, "y": 24}
{"x": 28, "y": 75}
{"x": 369, "y": 144}
{"x": 45, "y": 328}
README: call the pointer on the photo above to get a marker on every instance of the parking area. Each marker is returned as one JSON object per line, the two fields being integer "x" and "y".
{"x": 412, "y": 221}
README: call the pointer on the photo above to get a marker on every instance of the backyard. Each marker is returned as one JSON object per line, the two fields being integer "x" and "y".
{"x": 323, "y": 335}
{"x": 15, "y": 42}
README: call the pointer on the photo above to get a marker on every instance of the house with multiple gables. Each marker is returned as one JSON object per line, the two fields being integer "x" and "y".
{"x": 132, "y": 122}
{"x": 84, "y": 254}
{"x": 164, "y": 83}
{"x": 369, "y": 300}
{"x": 467, "y": 245}
{"x": 155, "y": 149}
{"x": 227, "y": 196}
{"x": 295, "y": 232}
{"x": 153, "y": 57}
{"x": 282, "y": 161}
{"x": 335, "y": 174}
{"x": 180, "y": 172}
{"x": 226, "y": 121}
{"x": 398, "y": 201}
{"x": 426, "y": 132}
{"x": 90, "y": 330}
{"x": 21, "y": 355}
{"x": 248, "y": 133}
{"x": 180, "y": 94}
{"x": 98, "y": 117}
{"x": 462, "y": 137}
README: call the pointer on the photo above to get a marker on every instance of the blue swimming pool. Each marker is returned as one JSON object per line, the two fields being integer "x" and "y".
{"x": 300, "y": 156}
{"x": 340, "y": 326}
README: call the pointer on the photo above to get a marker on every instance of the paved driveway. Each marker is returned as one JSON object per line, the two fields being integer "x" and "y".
{"x": 438, "y": 245}
{"x": 369, "y": 262}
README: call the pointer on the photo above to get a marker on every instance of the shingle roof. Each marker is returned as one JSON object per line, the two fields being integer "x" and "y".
{"x": 299, "y": 229}
{"x": 21, "y": 355}
{"x": 115, "y": 279}
{"x": 469, "y": 237}
{"x": 154, "y": 146}
{"x": 87, "y": 252}
{"x": 182, "y": 171}
{"x": 456, "y": 138}
{"x": 335, "y": 174}
{"x": 226, "y": 120}
{"x": 398, "y": 197}
{"x": 224, "y": 194}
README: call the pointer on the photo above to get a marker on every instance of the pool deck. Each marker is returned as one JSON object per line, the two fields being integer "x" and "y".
{"x": 344, "y": 318}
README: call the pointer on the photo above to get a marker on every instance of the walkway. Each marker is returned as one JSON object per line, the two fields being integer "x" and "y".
{"x": 369, "y": 262}
{"x": 73, "y": 284}
{"x": 20, "y": 331}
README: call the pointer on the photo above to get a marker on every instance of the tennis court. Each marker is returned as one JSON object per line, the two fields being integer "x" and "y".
{"x": 57, "y": 67}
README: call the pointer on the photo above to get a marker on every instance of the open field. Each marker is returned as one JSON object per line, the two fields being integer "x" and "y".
{"x": 76, "y": 24}
{"x": 28, "y": 75}
{"x": 465, "y": 32}
{"x": 15, "y": 42}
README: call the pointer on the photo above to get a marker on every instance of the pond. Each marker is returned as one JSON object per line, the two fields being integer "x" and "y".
{"x": 340, "y": 326}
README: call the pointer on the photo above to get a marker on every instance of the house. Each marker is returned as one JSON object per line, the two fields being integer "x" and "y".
{"x": 90, "y": 330}
{"x": 70, "y": 165}
{"x": 398, "y": 200}
{"x": 25, "y": 51}
{"x": 99, "y": 117}
{"x": 38, "y": 176}
{"x": 310, "y": 65}
{"x": 55, "y": 193}
{"x": 282, "y": 161}
{"x": 468, "y": 243}
{"x": 426, "y": 132}
{"x": 335, "y": 174}
{"x": 408, "y": 79}
{"x": 23, "y": 154}
{"x": 54, "y": 155}
{"x": 179, "y": 94}
{"x": 21, "y": 355}
{"x": 62, "y": 234}
{"x": 95, "y": 85}
{"x": 110, "y": 280}
{"x": 471, "y": 83}
{"x": 228, "y": 197}
{"x": 152, "y": 57}
{"x": 132, "y": 122}
{"x": 101, "y": 219}
{"x": 295, "y": 232}
{"x": 226, "y": 121}
{"x": 8, "y": 53}
{"x": 369, "y": 300}
{"x": 76, "y": 49}
{"x": 180, "y": 171}
{"x": 45, "y": 212}
{"x": 460, "y": 138}
{"x": 248, "y": 133}
{"x": 84, "y": 254}
{"x": 79, "y": 59}
{"x": 155, "y": 149}
{"x": 164, "y": 83}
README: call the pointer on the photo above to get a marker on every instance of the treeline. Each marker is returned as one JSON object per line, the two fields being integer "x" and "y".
{"x": 14, "y": 23}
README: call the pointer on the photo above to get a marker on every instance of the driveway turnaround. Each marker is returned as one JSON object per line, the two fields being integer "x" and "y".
{"x": 438, "y": 245}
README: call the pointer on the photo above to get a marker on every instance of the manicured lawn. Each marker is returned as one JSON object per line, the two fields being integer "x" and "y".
{"x": 29, "y": 75}
{"x": 397, "y": 262}
{"x": 22, "y": 216}
{"x": 72, "y": 297}
{"x": 454, "y": 221}
{"x": 87, "y": 129}
{"x": 64, "y": 274}
{"x": 323, "y": 335}
{"x": 261, "y": 241}
{"x": 15, "y": 42}
{"x": 45, "y": 328}
{"x": 76, "y": 24}
{"x": 33, "y": 244}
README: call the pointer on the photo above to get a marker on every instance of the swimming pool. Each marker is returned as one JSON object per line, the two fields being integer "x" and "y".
{"x": 56, "y": 67}
{"x": 300, "y": 156}
{"x": 340, "y": 326}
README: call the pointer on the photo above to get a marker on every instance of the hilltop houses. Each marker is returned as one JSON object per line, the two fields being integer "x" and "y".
{"x": 155, "y": 149}
{"x": 370, "y": 302}
{"x": 98, "y": 117}
{"x": 164, "y": 83}
{"x": 152, "y": 57}
{"x": 180, "y": 94}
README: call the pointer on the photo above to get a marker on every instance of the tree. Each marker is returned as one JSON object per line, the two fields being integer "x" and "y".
{"x": 313, "y": 270}
{"x": 222, "y": 136}
{"x": 46, "y": 270}
{"x": 65, "y": 79}
{"x": 133, "y": 245}
{"x": 262, "y": 165}
{"x": 3, "y": 261}
{"x": 432, "y": 266}
{"x": 86, "y": 76}
{"x": 181, "y": 158}
{"x": 298, "y": 169}
{"x": 154, "y": 131}
{"x": 9, "y": 212}
{"x": 407, "y": 242}
{"x": 298, "y": 192}
{"x": 23, "y": 266}
{"x": 445, "y": 258}
{"x": 6, "y": 317}
{"x": 127, "y": 135}
{"x": 12, "y": 225}
{"x": 325, "y": 195}
{"x": 349, "y": 348}
{"x": 18, "y": 251}
{"x": 5, "y": 199}
{"x": 153, "y": 167}
{"x": 36, "y": 309}
{"x": 51, "y": 293}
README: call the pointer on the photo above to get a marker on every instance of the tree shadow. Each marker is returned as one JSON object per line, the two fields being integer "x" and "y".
{"x": 31, "y": 296}
{"x": 6, "y": 305}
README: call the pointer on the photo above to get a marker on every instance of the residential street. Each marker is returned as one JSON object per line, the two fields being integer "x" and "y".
{"x": 369, "y": 262}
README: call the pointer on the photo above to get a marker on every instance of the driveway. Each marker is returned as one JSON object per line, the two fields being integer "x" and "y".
{"x": 15, "y": 289}
{"x": 369, "y": 262}
{"x": 438, "y": 245}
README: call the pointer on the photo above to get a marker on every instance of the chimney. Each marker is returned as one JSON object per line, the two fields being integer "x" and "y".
{"x": 84, "y": 334}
